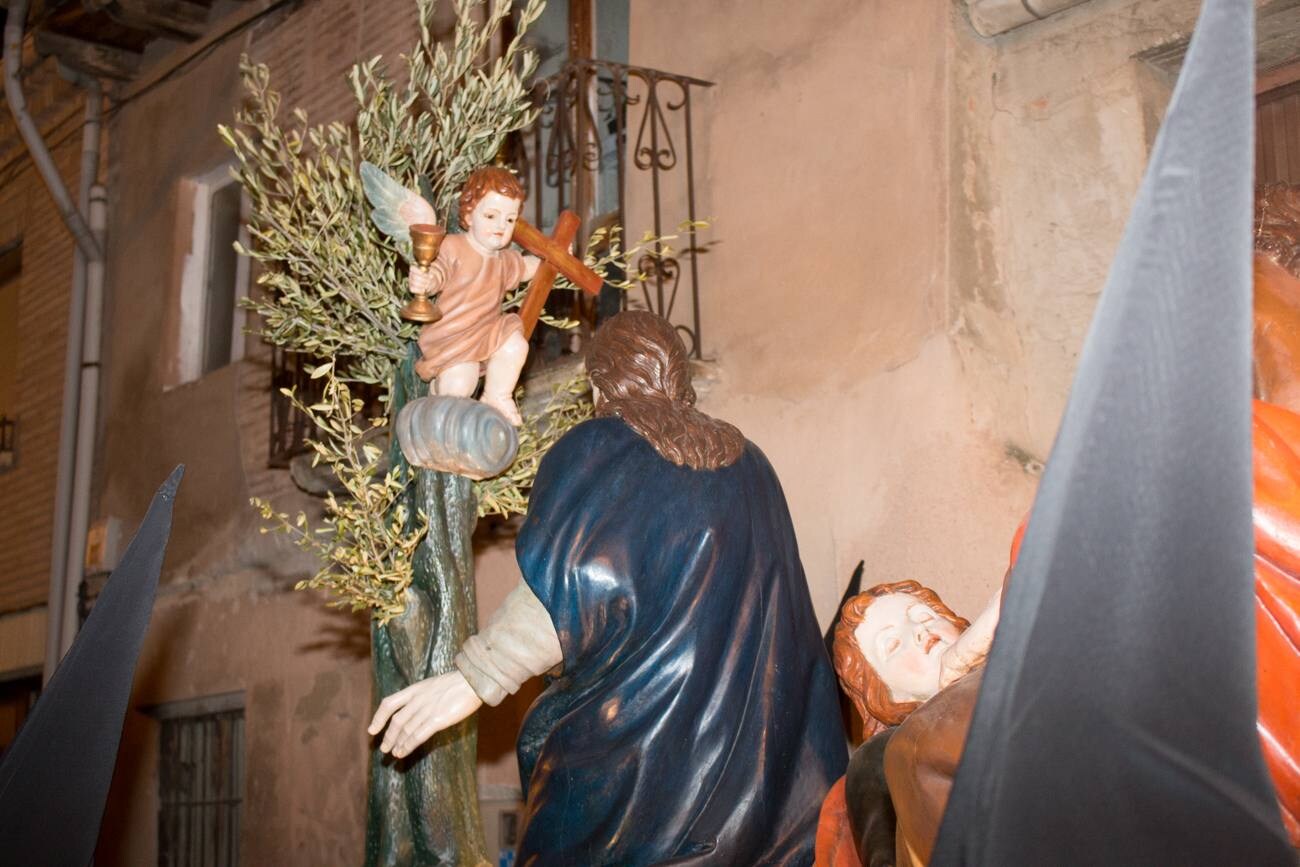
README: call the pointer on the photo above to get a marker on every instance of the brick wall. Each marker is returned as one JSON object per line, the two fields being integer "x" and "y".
{"x": 28, "y": 213}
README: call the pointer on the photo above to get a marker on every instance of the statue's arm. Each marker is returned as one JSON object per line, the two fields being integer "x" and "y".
{"x": 518, "y": 643}
{"x": 531, "y": 263}
{"x": 429, "y": 281}
{"x": 971, "y": 649}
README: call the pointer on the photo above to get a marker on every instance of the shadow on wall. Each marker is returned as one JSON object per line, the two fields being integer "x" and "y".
{"x": 346, "y": 637}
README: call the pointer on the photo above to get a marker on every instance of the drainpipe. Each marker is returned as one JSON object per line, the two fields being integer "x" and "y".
{"x": 32, "y": 135}
{"x": 991, "y": 17}
{"x": 87, "y": 251}
{"x": 96, "y": 198}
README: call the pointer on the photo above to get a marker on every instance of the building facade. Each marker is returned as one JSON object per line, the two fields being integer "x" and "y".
{"x": 910, "y": 221}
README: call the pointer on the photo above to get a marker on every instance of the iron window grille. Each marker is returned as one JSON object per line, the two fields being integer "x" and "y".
{"x": 603, "y": 129}
{"x": 289, "y": 427}
{"x": 201, "y": 784}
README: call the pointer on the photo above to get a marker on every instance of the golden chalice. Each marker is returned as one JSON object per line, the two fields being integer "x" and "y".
{"x": 425, "y": 241}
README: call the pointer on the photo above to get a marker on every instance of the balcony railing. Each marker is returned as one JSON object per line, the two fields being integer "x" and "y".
{"x": 614, "y": 144}
{"x": 289, "y": 428}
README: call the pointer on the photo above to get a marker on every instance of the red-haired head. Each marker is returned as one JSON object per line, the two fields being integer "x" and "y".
{"x": 872, "y": 696}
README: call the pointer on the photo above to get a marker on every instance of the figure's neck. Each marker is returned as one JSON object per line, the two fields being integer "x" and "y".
{"x": 480, "y": 249}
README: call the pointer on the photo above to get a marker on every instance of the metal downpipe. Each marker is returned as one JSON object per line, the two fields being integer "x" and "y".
{"x": 87, "y": 369}
{"x": 86, "y": 251}
{"x": 40, "y": 154}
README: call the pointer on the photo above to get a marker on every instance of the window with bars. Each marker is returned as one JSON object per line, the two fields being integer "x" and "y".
{"x": 1277, "y": 135}
{"x": 290, "y": 428}
{"x": 201, "y": 784}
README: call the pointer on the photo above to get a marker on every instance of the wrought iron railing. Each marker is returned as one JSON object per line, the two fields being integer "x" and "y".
{"x": 614, "y": 143}
{"x": 289, "y": 427}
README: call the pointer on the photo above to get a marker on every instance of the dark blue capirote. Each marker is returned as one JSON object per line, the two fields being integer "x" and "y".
{"x": 696, "y": 719}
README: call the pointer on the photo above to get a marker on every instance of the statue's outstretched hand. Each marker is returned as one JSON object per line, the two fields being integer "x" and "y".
{"x": 956, "y": 663}
{"x": 971, "y": 649}
{"x": 417, "y": 713}
{"x": 422, "y": 281}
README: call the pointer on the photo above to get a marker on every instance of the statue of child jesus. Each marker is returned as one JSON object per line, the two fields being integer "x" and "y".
{"x": 472, "y": 273}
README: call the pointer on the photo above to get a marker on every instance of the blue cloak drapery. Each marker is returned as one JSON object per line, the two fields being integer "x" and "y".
{"x": 696, "y": 719}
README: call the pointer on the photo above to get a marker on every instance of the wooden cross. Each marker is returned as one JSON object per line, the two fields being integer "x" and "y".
{"x": 556, "y": 259}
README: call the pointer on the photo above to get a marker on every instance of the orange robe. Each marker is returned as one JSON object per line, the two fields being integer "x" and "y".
{"x": 835, "y": 845}
{"x": 472, "y": 287}
{"x": 1276, "y": 434}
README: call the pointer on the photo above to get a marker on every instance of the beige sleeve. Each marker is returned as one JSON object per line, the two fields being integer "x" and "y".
{"x": 519, "y": 642}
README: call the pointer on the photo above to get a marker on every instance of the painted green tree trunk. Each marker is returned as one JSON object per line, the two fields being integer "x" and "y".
{"x": 423, "y": 810}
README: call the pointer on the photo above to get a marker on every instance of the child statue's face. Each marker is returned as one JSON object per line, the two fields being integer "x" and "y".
{"x": 903, "y": 639}
{"x": 492, "y": 222}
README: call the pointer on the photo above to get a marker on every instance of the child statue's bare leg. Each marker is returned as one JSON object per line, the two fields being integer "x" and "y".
{"x": 459, "y": 380}
{"x": 502, "y": 374}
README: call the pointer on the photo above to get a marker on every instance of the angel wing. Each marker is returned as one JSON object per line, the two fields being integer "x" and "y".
{"x": 396, "y": 208}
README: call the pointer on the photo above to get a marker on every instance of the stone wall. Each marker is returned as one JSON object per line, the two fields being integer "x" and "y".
{"x": 913, "y": 224}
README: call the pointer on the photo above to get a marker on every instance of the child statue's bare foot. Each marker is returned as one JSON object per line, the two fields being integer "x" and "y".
{"x": 505, "y": 406}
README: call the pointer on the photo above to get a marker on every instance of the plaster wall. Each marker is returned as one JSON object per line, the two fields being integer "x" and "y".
{"x": 304, "y": 673}
{"x": 822, "y": 156}
{"x": 912, "y": 224}
{"x": 1051, "y": 127}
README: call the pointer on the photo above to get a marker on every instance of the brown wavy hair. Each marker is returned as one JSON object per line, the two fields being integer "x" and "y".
{"x": 858, "y": 679}
{"x": 640, "y": 366}
{"x": 484, "y": 180}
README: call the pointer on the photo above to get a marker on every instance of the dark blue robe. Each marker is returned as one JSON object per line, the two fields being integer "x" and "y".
{"x": 696, "y": 720}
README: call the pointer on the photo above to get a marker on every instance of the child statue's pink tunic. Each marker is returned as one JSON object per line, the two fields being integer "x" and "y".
{"x": 472, "y": 326}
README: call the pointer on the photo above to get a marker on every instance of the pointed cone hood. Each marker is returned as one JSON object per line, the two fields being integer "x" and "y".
{"x": 55, "y": 776}
{"x": 1116, "y": 722}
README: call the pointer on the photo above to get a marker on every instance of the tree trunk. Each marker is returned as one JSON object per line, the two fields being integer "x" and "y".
{"x": 423, "y": 810}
